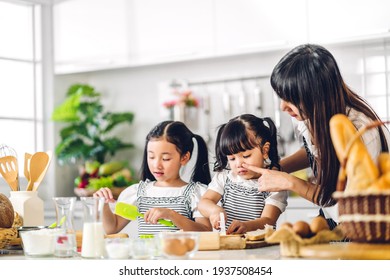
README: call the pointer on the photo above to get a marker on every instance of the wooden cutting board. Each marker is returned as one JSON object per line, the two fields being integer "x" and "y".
{"x": 346, "y": 251}
{"x": 215, "y": 241}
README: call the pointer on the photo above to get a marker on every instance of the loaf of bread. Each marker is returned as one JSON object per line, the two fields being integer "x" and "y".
{"x": 258, "y": 234}
{"x": 356, "y": 163}
{"x": 6, "y": 212}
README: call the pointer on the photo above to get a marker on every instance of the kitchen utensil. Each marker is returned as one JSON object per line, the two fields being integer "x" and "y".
{"x": 9, "y": 171}
{"x": 222, "y": 224}
{"x": 9, "y": 166}
{"x": 209, "y": 241}
{"x": 130, "y": 212}
{"x": 27, "y": 158}
{"x": 257, "y": 98}
{"x": 39, "y": 163}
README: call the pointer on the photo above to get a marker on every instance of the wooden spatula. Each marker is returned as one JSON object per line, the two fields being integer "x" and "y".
{"x": 27, "y": 158}
{"x": 9, "y": 171}
{"x": 38, "y": 164}
{"x": 40, "y": 178}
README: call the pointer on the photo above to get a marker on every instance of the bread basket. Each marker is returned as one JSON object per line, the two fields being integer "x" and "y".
{"x": 365, "y": 216}
{"x": 364, "y": 211}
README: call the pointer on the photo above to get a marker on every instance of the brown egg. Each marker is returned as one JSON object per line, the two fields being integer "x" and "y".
{"x": 189, "y": 243}
{"x": 302, "y": 229}
{"x": 174, "y": 247}
{"x": 317, "y": 224}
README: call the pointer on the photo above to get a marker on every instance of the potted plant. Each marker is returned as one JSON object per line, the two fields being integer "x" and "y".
{"x": 87, "y": 140}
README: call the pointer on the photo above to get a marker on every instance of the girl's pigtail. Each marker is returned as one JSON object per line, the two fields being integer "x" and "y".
{"x": 220, "y": 158}
{"x": 273, "y": 151}
{"x": 201, "y": 171}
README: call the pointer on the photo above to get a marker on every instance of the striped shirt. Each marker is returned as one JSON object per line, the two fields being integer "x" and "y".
{"x": 146, "y": 195}
{"x": 241, "y": 198}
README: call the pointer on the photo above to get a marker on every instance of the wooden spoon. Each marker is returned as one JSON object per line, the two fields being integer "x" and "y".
{"x": 39, "y": 180}
{"x": 27, "y": 158}
{"x": 38, "y": 164}
{"x": 9, "y": 171}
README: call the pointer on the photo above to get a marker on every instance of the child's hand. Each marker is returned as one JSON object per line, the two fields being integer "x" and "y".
{"x": 237, "y": 227}
{"x": 106, "y": 193}
{"x": 215, "y": 219}
{"x": 154, "y": 214}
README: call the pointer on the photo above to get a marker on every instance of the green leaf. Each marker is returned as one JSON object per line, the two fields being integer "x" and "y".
{"x": 113, "y": 119}
{"x": 68, "y": 110}
{"x": 82, "y": 89}
{"x": 86, "y": 137}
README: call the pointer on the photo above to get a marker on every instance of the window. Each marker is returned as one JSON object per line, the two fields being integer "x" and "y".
{"x": 21, "y": 113}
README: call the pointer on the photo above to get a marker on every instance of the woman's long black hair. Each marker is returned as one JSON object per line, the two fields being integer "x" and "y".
{"x": 242, "y": 133}
{"x": 181, "y": 136}
{"x": 309, "y": 78}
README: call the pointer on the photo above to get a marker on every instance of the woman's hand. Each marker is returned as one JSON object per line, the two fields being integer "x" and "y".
{"x": 154, "y": 214}
{"x": 106, "y": 193}
{"x": 271, "y": 180}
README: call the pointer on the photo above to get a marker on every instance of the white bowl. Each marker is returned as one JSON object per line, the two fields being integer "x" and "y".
{"x": 117, "y": 248}
{"x": 38, "y": 243}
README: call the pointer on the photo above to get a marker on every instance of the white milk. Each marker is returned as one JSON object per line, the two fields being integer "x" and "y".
{"x": 93, "y": 240}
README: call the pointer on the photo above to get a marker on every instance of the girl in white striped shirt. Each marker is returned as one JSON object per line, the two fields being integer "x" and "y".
{"x": 162, "y": 193}
{"x": 245, "y": 139}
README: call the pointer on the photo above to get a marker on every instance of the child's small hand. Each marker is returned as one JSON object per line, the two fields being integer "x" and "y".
{"x": 237, "y": 227}
{"x": 106, "y": 193}
{"x": 215, "y": 219}
{"x": 154, "y": 214}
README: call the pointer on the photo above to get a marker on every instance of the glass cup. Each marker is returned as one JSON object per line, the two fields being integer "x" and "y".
{"x": 142, "y": 248}
{"x": 65, "y": 245}
{"x": 65, "y": 239}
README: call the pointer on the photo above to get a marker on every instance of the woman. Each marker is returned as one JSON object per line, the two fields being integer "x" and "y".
{"x": 312, "y": 90}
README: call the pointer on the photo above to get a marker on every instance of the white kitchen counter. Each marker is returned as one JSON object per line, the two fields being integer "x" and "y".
{"x": 265, "y": 253}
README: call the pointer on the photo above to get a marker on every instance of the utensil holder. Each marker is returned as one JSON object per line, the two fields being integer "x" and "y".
{"x": 29, "y": 206}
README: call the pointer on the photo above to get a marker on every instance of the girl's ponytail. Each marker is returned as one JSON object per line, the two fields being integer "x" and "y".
{"x": 273, "y": 139}
{"x": 201, "y": 171}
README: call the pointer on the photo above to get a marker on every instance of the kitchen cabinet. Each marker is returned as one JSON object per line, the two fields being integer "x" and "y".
{"x": 90, "y": 34}
{"x": 107, "y": 34}
{"x": 252, "y": 25}
{"x": 335, "y": 21}
{"x": 171, "y": 30}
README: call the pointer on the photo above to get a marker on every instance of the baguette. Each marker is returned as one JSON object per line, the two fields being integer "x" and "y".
{"x": 356, "y": 163}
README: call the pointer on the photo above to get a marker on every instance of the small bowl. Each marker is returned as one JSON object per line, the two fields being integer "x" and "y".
{"x": 117, "y": 248}
{"x": 179, "y": 244}
{"x": 143, "y": 248}
{"x": 39, "y": 242}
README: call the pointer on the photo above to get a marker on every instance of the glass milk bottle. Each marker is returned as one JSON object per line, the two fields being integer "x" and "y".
{"x": 65, "y": 238}
{"x": 93, "y": 233}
